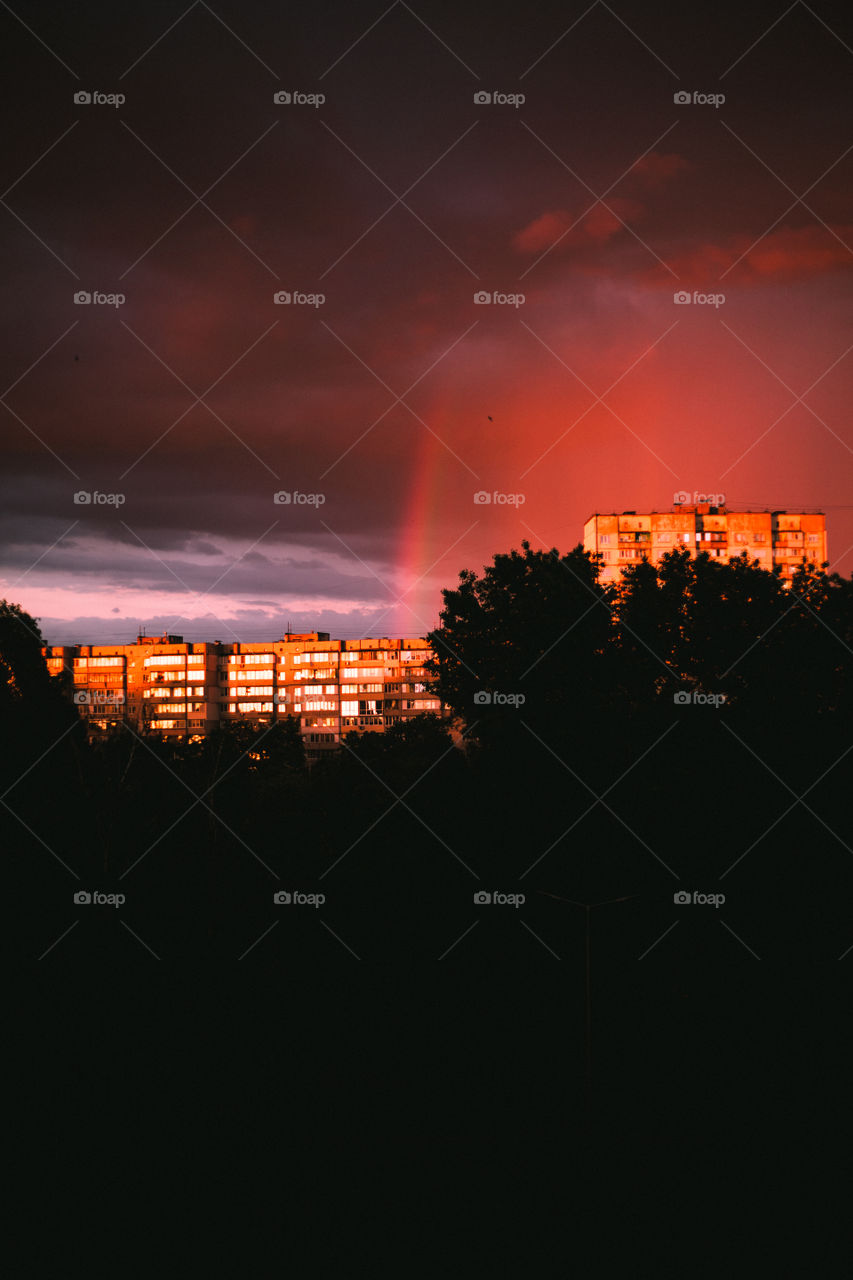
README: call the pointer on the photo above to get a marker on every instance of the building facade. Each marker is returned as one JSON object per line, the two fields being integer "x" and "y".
{"x": 333, "y": 687}
{"x": 785, "y": 538}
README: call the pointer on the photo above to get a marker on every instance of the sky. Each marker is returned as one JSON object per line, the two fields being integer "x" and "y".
{"x": 333, "y": 459}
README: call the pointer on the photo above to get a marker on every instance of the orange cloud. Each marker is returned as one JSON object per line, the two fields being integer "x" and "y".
{"x": 808, "y": 251}
{"x": 596, "y": 227}
{"x": 656, "y": 168}
{"x": 783, "y": 255}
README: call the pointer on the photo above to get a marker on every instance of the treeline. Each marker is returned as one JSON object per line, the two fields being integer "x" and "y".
{"x": 688, "y": 729}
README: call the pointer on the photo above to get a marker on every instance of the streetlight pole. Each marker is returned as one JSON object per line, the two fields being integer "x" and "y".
{"x": 588, "y": 907}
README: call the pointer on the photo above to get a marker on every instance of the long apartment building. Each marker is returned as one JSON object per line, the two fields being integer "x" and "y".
{"x": 333, "y": 687}
{"x": 784, "y": 538}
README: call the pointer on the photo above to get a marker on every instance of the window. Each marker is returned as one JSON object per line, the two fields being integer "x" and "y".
{"x": 604, "y": 539}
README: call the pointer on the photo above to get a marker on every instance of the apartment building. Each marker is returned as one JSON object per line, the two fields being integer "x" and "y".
{"x": 784, "y": 538}
{"x": 333, "y": 687}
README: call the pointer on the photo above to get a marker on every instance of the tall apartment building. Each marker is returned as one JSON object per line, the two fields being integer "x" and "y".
{"x": 785, "y": 538}
{"x": 183, "y": 690}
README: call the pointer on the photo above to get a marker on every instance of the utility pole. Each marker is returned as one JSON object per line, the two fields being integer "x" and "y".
{"x": 588, "y": 907}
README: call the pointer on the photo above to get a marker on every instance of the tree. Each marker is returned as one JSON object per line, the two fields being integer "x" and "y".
{"x": 531, "y": 633}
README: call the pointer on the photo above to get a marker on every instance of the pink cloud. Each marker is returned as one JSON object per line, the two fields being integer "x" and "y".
{"x": 783, "y": 255}
{"x": 596, "y": 227}
{"x": 656, "y": 168}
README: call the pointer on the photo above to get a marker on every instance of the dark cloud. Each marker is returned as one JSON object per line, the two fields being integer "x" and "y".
{"x": 397, "y": 200}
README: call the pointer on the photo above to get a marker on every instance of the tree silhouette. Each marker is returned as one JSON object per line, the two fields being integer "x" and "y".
{"x": 509, "y": 637}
